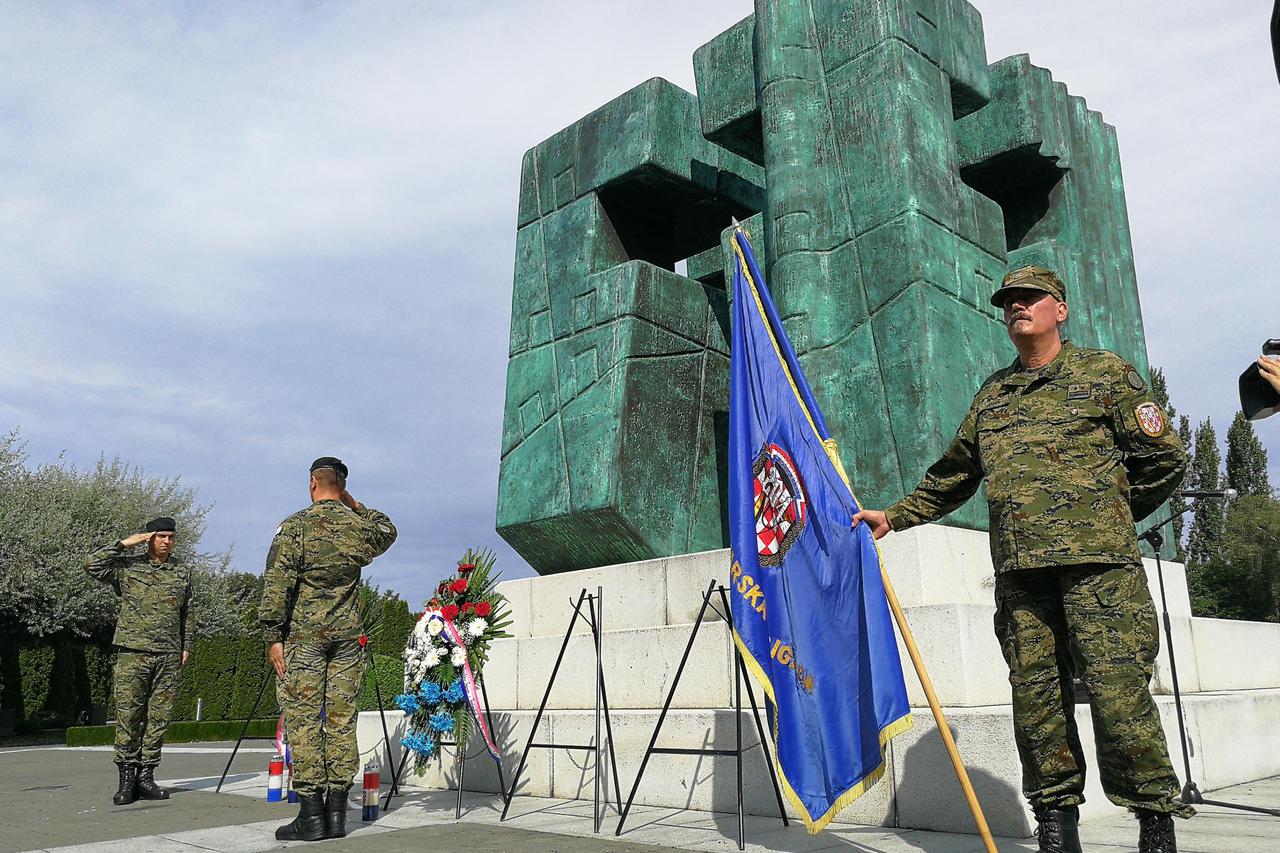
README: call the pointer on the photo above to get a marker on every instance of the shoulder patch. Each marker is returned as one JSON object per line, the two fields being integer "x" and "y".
{"x": 1150, "y": 419}
{"x": 1135, "y": 380}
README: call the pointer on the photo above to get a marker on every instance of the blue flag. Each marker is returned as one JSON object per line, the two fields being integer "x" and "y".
{"x": 809, "y": 608}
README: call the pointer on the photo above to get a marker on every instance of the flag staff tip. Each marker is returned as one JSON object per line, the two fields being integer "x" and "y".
{"x": 736, "y": 224}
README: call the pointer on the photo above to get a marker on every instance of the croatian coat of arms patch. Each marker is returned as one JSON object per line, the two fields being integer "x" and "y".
{"x": 1151, "y": 419}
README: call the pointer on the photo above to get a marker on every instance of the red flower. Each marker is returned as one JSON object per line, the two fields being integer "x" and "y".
{"x": 466, "y": 567}
{"x": 363, "y": 641}
{"x": 442, "y": 587}
{"x": 460, "y": 585}
{"x": 468, "y": 607}
{"x": 483, "y": 608}
{"x": 450, "y": 612}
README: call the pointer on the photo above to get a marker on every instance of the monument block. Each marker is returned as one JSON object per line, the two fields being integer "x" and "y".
{"x": 891, "y": 178}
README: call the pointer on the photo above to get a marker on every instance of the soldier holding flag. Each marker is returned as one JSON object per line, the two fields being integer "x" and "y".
{"x": 1074, "y": 451}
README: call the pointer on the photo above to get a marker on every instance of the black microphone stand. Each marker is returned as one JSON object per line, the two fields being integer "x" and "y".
{"x": 1190, "y": 793}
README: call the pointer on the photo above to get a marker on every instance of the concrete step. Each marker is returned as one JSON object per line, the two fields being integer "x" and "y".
{"x": 1232, "y": 734}
{"x": 931, "y": 564}
{"x": 956, "y": 641}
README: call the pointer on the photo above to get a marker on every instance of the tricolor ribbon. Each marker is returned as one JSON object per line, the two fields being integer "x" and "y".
{"x": 468, "y": 683}
{"x": 282, "y": 742}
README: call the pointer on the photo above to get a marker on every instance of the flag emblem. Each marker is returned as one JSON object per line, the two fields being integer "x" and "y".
{"x": 779, "y": 504}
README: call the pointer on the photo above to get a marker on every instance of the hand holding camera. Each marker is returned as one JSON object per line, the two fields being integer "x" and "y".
{"x": 1260, "y": 384}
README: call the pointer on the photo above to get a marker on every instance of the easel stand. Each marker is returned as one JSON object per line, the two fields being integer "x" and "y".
{"x": 382, "y": 714}
{"x": 595, "y": 618}
{"x": 459, "y": 763}
{"x": 1190, "y": 793}
{"x": 244, "y": 732}
{"x": 740, "y": 678}
{"x": 262, "y": 690}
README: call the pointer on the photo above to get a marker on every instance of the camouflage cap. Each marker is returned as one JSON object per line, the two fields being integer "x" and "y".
{"x": 1030, "y": 278}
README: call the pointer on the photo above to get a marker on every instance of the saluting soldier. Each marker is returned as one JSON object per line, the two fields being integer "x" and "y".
{"x": 1074, "y": 450}
{"x": 151, "y": 642}
{"x": 312, "y": 627}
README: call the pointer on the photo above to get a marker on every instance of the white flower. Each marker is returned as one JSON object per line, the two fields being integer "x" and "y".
{"x": 420, "y": 628}
{"x": 476, "y": 627}
{"x": 433, "y": 656}
{"x": 459, "y": 656}
{"x": 434, "y": 627}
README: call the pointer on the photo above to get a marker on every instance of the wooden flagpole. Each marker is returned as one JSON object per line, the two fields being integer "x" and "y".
{"x": 910, "y": 642}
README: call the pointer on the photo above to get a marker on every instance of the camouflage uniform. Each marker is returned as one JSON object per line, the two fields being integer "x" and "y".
{"x": 1072, "y": 454}
{"x": 312, "y": 584}
{"x": 151, "y": 633}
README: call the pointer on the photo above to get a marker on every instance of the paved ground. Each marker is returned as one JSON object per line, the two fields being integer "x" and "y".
{"x": 60, "y": 799}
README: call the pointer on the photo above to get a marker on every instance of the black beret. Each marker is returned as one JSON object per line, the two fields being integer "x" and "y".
{"x": 330, "y": 462}
{"x": 163, "y": 524}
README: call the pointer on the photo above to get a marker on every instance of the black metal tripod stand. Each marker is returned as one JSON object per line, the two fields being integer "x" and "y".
{"x": 1190, "y": 793}
{"x": 262, "y": 690}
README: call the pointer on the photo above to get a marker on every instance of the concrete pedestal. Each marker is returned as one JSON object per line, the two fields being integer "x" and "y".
{"x": 1229, "y": 673}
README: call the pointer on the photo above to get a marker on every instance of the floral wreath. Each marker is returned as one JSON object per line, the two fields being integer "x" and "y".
{"x": 445, "y": 655}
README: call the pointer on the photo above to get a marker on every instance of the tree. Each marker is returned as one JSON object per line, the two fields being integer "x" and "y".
{"x": 1188, "y": 482}
{"x": 245, "y": 591}
{"x": 1246, "y": 459}
{"x": 53, "y": 515}
{"x": 1243, "y": 580}
{"x": 1207, "y": 523}
{"x": 1160, "y": 393}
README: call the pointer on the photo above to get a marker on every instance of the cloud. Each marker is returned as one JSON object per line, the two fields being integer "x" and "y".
{"x": 234, "y": 237}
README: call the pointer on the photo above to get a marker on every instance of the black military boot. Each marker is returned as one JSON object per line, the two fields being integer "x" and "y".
{"x": 335, "y": 813}
{"x": 147, "y": 787}
{"x": 128, "y": 792}
{"x": 309, "y": 824}
{"x": 1057, "y": 830}
{"x": 1155, "y": 832}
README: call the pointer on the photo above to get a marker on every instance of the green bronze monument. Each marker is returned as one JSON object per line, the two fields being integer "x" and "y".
{"x": 889, "y": 178}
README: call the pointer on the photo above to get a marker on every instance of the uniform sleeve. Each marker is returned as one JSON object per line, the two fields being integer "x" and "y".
{"x": 186, "y": 624}
{"x": 947, "y": 484}
{"x": 381, "y": 532}
{"x": 105, "y": 564}
{"x": 1153, "y": 454}
{"x": 280, "y": 582}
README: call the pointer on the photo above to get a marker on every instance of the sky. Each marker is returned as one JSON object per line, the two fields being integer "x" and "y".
{"x": 238, "y": 236}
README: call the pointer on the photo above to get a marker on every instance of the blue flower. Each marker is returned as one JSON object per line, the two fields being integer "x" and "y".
{"x": 408, "y": 703}
{"x": 420, "y": 743}
{"x": 441, "y": 722}
{"x": 454, "y": 694}
{"x": 430, "y": 692}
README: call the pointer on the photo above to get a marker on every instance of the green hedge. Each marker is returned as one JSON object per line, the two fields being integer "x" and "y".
{"x": 227, "y": 673}
{"x": 55, "y": 683}
{"x": 179, "y": 732}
